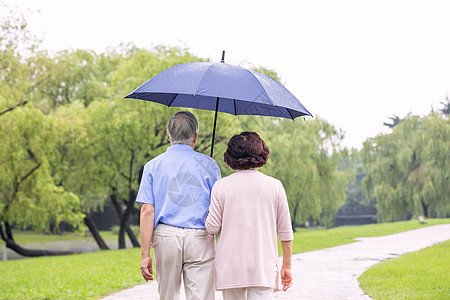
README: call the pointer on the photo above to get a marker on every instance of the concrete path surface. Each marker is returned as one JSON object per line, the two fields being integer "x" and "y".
{"x": 331, "y": 273}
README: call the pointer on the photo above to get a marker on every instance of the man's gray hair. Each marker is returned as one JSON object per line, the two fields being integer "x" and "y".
{"x": 182, "y": 127}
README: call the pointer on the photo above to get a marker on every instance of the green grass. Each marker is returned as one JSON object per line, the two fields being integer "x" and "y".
{"x": 81, "y": 276}
{"x": 26, "y": 237}
{"x": 315, "y": 239}
{"x": 424, "y": 274}
{"x": 93, "y": 275}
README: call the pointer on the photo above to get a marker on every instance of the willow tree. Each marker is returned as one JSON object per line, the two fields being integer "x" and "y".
{"x": 73, "y": 162}
{"x": 29, "y": 197}
{"x": 408, "y": 169}
{"x": 76, "y": 75}
{"x": 305, "y": 156}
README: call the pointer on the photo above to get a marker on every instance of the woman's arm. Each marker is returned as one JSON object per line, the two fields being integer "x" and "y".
{"x": 213, "y": 222}
{"x": 286, "y": 274}
{"x": 284, "y": 225}
{"x": 285, "y": 234}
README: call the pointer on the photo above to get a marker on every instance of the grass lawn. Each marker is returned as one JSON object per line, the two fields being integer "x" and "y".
{"x": 424, "y": 274}
{"x": 80, "y": 276}
{"x": 315, "y": 239}
{"x": 25, "y": 237}
{"x": 93, "y": 275}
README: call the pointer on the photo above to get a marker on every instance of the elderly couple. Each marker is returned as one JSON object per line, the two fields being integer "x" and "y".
{"x": 185, "y": 203}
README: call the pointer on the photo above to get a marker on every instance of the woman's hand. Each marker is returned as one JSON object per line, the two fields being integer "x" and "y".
{"x": 286, "y": 279}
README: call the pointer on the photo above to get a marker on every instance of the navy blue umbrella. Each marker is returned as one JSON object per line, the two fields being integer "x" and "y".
{"x": 220, "y": 87}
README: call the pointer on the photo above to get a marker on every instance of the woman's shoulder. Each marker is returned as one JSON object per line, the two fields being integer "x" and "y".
{"x": 249, "y": 175}
{"x": 271, "y": 183}
{"x": 270, "y": 178}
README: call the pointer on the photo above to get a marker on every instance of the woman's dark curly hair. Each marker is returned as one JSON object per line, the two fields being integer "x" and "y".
{"x": 246, "y": 150}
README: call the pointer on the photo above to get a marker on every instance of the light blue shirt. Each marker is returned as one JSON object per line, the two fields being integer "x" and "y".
{"x": 178, "y": 183}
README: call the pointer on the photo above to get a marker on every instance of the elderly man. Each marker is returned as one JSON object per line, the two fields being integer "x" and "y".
{"x": 175, "y": 192}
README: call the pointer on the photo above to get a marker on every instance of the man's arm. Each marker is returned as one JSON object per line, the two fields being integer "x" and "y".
{"x": 286, "y": 274}
{"x": 146, "y": 227}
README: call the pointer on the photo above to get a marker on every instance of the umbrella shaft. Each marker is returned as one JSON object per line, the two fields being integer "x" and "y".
{"x": 214, "y": 129}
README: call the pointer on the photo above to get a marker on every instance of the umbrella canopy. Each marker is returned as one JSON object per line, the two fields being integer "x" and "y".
{"x": 238, "y": 91}
{"x": 218, "y": 86}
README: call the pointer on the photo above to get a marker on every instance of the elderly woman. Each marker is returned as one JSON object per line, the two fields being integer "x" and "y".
{"x": 248, "y": 208}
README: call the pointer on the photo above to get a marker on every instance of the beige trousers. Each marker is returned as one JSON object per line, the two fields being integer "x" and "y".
{"x": 184, "y": 253}
{"x": 249, "y": 293}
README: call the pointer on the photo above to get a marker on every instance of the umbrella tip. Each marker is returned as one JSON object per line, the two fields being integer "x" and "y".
{"x": 223, "y": 56}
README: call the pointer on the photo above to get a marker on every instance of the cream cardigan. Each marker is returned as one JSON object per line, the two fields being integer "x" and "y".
{"x": 247, "y": 209}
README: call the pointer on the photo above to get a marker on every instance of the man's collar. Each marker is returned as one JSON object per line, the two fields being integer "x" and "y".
{"x": 178, "y": 147}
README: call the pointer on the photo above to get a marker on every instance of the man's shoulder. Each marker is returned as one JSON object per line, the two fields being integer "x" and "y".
{"x": 204, "y": 157}
{"x": 155, "y": 160}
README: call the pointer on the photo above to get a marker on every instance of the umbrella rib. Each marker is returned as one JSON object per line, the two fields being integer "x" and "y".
{"x": 265, "y": 92}
{"x": 290, "y": 113}
{"x": 168, "y": 105}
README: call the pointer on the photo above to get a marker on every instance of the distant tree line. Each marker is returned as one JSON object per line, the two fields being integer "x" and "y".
{"x": 404, "y": 173}
{"x": 70, "y": 143}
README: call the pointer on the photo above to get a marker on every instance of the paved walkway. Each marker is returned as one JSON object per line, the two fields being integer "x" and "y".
{"x": 332, "y": 273}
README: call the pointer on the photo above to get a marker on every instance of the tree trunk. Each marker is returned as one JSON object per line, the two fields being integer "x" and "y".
{"x": 136, "y": 213}
{"x": 124, "y": 221}
{"x": 294, "y": 216}
{"x": 425, "y": 209}
{"x": 95, "y": 233}
{"x": 8, "y": 238}
{"x": 131, "y": 235}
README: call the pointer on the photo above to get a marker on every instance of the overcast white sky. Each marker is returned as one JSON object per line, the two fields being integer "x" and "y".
{"x": 353, "y": 62}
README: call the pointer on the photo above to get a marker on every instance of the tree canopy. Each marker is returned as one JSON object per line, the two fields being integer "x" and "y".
{"x": 408, "y": 169}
